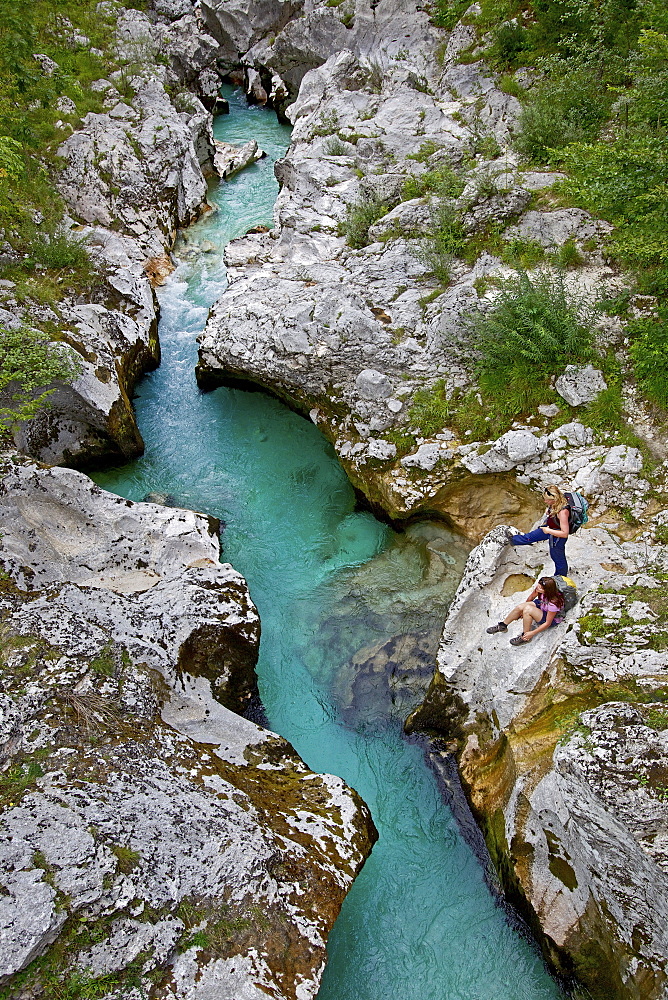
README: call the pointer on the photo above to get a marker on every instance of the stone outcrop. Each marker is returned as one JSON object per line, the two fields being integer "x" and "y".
{"x": 228, "y": 160}
{"x": 357, "y": 337}
{"x": 115, "y": 342}
{"x": 563, "y": 751}
{"x": 150, "y": 838}
{"x": 133, "y": 174}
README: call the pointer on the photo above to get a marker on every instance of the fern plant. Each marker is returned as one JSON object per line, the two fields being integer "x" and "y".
{"x": 535, "y": 322}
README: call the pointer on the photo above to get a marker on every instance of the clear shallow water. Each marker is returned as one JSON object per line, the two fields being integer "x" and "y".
{"x": 350, "y": 615}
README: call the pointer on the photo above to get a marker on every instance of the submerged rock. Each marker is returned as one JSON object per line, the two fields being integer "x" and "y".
{"x": 228, "y": 160}
{"x": 147, "y": 833}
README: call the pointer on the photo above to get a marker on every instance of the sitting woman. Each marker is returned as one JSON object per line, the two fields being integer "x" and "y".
{"x": 543, "y": 609}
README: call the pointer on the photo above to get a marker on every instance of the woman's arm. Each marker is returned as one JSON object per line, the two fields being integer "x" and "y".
{"x": 563, "y": 531}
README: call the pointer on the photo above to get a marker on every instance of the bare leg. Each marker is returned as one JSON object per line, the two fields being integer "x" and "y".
{"x": 530, "y": 614}
{"x": 518, "y": 612}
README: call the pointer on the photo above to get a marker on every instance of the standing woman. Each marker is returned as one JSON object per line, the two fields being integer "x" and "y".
{"x": 555, "y": 526}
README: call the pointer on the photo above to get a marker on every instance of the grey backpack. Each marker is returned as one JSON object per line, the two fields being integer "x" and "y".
{"x": 568, "y": 591}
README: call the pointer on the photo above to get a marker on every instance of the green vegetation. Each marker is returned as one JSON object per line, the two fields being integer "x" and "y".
{"x": 359, "y": 218}
{"x": 597, "y": 110}
{"x": 128, "y": 859}
{"x": 446, "y": 241}
{"x": 533, "y": 329}
{"x": 16, "y": 781}
{"x": 335, "y": 147}
{"x": 595, "y": 625}
{"x": 657, "y": 718}
{"x": 28, "y": 363}
{"x": 442, "y": 180}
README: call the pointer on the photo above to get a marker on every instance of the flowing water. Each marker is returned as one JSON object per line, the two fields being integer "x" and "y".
{"x": 350, "y": 617}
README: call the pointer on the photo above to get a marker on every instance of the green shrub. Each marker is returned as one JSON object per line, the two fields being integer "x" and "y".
{"x": 426, "y": 150}
{"x": 523, "y": 253}
{"x": 649, "y": 351}
{"x": 446, "y": 240}
{"x": 446, "y": 13}
{"x": 567, "y": 107}
{"x": 326, "y": 124}
{"x": 59, "y": 252}
{"x": 335, "y": 147}
{"x": 509, "y": 85}
{"x": 509, "y": 48}
{"x": 533, "y": 321}
{"x": 568, "y": 256}
{"x": 442, "y": 180}
{"x": 606, "y": 412}
{"x": 29, "y": 363}
{"x": 359, "y": 218}
{"x": 430, "y": 411}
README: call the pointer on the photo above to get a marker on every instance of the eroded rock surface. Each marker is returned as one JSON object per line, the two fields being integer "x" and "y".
{"x": 133, "y": 173}
{"x": 563, "y": 750}
{"x": 147, "y": 833}
{"x": 355, "y": 336}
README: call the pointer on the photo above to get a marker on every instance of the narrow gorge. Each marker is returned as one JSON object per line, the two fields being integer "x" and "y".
{"x": 268, "y": 181}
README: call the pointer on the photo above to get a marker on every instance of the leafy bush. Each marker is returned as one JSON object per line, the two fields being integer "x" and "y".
{"x": 567, "y": 107}
{"x": 534, "y": 323}
{"x": 446, "y": 240}
{"x": 59, "y": 251}
{"x": 446, "y": 13}
{"x": 442, "y": 180}
{"x": 359, "y": 218}
{"x": 523, "y": 253}
{"x": 430, "y": 410}
{"x": 510, "y": 46}
{"x": 649, "y": 351}
{"x": 29, "y": 363}
{"x": 335, "y": 147}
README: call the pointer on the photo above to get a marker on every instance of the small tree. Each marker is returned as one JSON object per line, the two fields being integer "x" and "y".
{"x": 29, "y": 364}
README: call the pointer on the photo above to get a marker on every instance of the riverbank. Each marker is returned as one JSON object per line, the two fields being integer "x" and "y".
{"x": 369, "y": 343}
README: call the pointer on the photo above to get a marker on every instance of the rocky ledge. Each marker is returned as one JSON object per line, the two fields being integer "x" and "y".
{"x": 151, "y": 840}
{"x": 354, "y": 336}
{"x": 133, "y": 174}
{"x": 563, "y": 750}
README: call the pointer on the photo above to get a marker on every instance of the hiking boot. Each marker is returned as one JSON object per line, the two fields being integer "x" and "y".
{"x": 519, "y": 640}
{"x": 499, "y": 627}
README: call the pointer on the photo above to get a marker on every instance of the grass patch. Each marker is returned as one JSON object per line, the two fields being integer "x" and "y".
{"x": 442, "y": 180}
{"x": 128, "y": 859}
{"x": 359, "y": 219}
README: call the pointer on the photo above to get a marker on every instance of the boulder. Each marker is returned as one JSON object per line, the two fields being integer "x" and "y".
{"x": 580, "y": 384}
{"x": 139, "y": 167}
{"x": 116, "y": 342}
{"x": 228, "y": 160}
{"x": 512, "y": 449}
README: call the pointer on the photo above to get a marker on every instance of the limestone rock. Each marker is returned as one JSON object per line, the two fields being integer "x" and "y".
{"x": 147, "y": 825}
{"x": 511, "y": 449}
{"x": 140, "y": 169}
{"x": 229, "y": 160}
{"x": 116, "y": 343}
{"x": 553, "y": 229}
{"x": 570, "y": 803}
{"x": 580, "y": 384}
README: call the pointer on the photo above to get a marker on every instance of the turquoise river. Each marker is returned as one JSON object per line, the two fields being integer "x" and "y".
{"x": 350, "y": 614}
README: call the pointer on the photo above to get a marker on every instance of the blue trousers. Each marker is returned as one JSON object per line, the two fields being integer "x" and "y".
{"x": 557, "y": 548}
